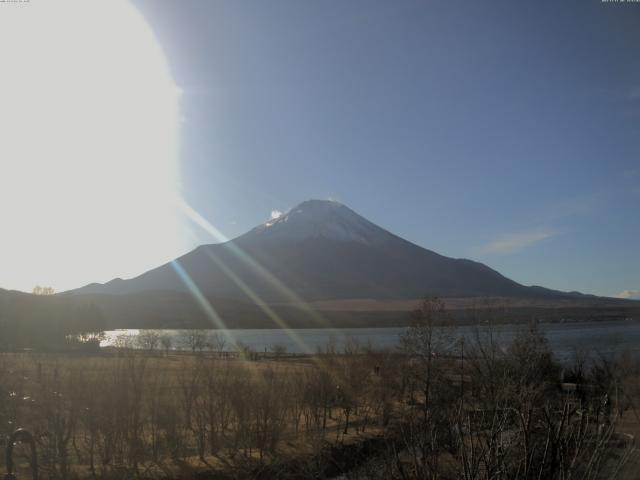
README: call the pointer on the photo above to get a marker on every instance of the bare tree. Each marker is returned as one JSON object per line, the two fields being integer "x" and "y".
{"x": 218, "y": 343}
{"x": 166, "y": 341}
{"x": 38, "y": 290}
{"x": 196, "y": 340}
{"x": 278, "y": 350}
{"x": 149, "y": 340}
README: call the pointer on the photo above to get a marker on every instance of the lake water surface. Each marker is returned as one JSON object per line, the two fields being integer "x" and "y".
{"x": 606, "y": 338}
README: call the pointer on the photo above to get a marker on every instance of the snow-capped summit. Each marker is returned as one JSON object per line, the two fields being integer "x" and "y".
{"x": 325, "y": 219}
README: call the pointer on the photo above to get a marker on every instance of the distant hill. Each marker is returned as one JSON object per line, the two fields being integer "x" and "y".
{"x": 46, "y": 321}
{"x": 307, "y": 267}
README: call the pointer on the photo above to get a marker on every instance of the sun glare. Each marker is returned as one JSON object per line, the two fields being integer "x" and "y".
{"x": 88, "y": 153}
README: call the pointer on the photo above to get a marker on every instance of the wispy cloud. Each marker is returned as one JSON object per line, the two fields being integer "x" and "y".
{"x": 515, "y": 242}
{"x": 630, "y": 294}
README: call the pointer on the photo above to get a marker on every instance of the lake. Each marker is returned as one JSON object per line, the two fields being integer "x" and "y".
{"x": 605, "y": 338}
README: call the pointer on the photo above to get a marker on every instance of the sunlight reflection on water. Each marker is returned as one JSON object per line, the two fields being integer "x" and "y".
{"x": 599, "y": 338}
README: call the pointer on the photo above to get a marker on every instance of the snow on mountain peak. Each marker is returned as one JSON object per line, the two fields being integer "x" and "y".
{"x": 322, "y": 219}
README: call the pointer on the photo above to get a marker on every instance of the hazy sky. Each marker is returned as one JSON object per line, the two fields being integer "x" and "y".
{"x": 500, "y": 131}
{"x": 506, "y": 132}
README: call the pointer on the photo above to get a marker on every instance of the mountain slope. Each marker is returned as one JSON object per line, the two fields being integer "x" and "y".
{"x": 319, "y": 250}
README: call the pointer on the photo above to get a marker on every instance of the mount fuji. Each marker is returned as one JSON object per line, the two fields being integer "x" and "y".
{"x": 319, "y": 256}
{"x": 319, "y": 250}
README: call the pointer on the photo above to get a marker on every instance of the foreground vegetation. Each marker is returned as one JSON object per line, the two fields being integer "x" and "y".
{"x": 437, "y": 408}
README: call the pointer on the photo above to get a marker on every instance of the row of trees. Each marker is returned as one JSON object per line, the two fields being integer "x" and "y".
{"x": 194, "y": 341}
{"x": 135, "y": 413}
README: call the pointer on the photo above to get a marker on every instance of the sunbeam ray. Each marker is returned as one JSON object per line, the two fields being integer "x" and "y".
{"x": 261, "y": 304}
{"x": 206, "y": 306}
{"x": 259, "y": 269}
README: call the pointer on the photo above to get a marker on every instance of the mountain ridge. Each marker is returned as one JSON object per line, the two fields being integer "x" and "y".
{"x": 320, "y": 250}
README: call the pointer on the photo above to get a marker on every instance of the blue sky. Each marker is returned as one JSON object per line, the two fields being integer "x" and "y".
{"x": 500, "y": 131}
